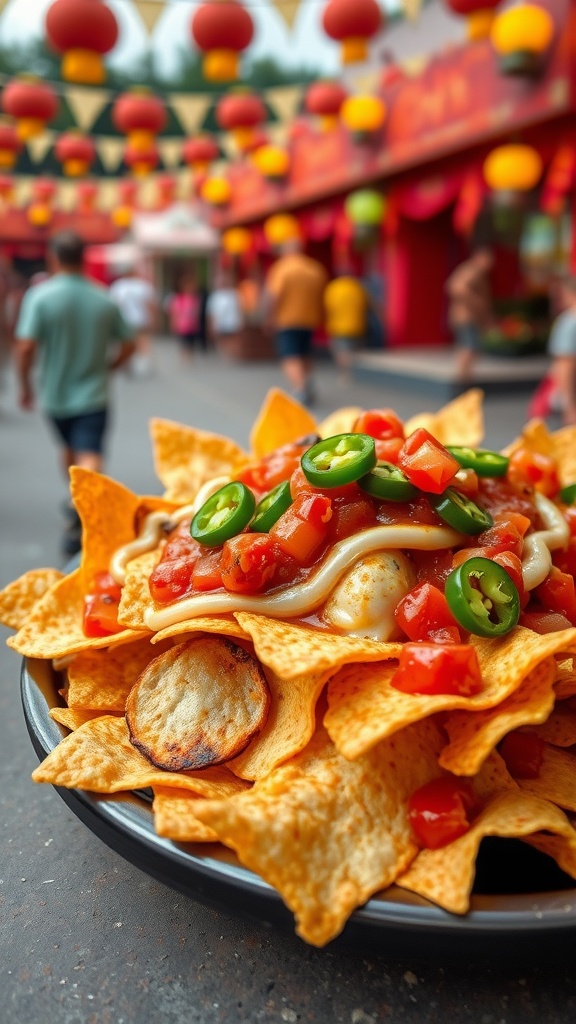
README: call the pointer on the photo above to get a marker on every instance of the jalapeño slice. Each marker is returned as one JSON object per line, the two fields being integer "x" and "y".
{"x": 568, "y": 494}
{"x": 272, "y": 506}
{"x": 224, "y": 515}
{"x": 482, "y": 461}
{"x": 388, "y": 482}
{"x": 461, "y": 512}
{"x": 483, "y": 597}
{"x": 339, "y": 460}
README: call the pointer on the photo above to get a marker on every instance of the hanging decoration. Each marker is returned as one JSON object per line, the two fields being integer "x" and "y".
{"x": 273, "y": 162}
{"x": 280, "y": 229}
{"x": 365, "y": 209}
{"x": 521, "y": 36}
{"x": 10, "y": 145}
{"x": 240, "y": 113}
{"x": 32, "y": 103}
{"x": 559, "y": 182}
{"x": 352, "y": 24}
{"x": 324, "y": 101}
{"x": 479, "y": 16}
{"x": 216, "y": 191}
{"x": 76, "y": 153}
{"x": 140, "y": 116}
{"x": 166, "y": 185}
{"x": 199, "y": 153}
{"x": 123, "y": 212}
{"x": 363, "y": 116}
{"x": 40, "y": 210}
{"x": 6, "y": 189}
{"x": 86, "y": 196}
{"x": 142, "y": 161}
{"x": 512, "y": 170}
{"x": 221, "y": 29}
{"x": 237, "y": 241}
{"x": 150, "y": 12}
{"x": 82, "y": 31}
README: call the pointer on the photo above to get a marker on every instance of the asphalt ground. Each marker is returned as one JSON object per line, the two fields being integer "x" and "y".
{"x": 89, "y": 939}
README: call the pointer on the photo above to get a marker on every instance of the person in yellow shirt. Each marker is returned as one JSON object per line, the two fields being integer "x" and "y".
{"x": 346, "y": 302}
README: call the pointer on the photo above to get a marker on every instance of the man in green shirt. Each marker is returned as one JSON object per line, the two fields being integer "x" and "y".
{"x": 79, "y": 336}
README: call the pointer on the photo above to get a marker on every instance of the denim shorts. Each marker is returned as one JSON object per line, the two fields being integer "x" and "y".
{"x": 82, "y": 433}
{"x": 468, "y": 336}
{"x": 293, "y": 341}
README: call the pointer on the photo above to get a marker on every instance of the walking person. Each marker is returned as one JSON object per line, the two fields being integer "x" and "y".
{"x": 557, "y": 391}
{"x": 295, "y": 298}
{"x": 71, "y": 325}
{"x": 224, "y": 313}
{"x": 137, "y": 301}
{"x": 184, "y": 310}
{"x": 347, "y": 304}
{"x": 470, "y": 311}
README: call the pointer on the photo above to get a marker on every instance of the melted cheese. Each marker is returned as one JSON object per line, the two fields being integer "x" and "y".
{"x": 536, "y": 557}
{"x": 364, "y": 600}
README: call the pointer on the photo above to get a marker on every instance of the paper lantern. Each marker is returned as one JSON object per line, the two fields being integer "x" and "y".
{"x": 166, "y": 188}
{"x": 280, "y": 229}
{"x": 87, "y": 194}
{"x": 6, "y": 188}
{"x": 82, "y": 31}
{"x": 39, "y": 214}
{"x": 239, "y": 113}
{"x": 141, "y": 161}
{"x": 216, "y": 191}
{"x": 520, "y": 36}
{"x": 512, "y": 169}
{"x": 43, "y": 190}
{"x": 140, "y": 116}
{"x": 363, "y": 115}
{"x": 199, "y": 153}
{"x": 76, "y": 153}
{"x": 10, "y": 145}
{"x": 121, "y": 217}
{"x": 479, "y": 16}
{"x": 221, "y": 29}
{"x": 273, "y": 162}
{"x": 128, "y": 191}
{"x": 31, "y": 103}
{"x": 237, "y": 241}
{"x": 352, "y": 23}
{"x": 324, "y": 101}
{"x": 365, "y": 208}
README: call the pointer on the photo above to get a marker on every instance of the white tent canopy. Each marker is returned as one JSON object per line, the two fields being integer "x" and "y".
{"x": 180, "y": 229}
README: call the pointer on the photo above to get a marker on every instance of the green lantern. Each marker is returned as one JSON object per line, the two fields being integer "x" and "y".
{"x": 365, "y": 208}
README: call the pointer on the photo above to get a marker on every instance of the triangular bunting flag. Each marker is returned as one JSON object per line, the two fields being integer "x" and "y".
{"x": 190, "y": 110}
{"x": 287, "y": 9}
{"x": 278, "y": 133}
{"x": 411, "y": 8}
{"x": 108, "y": 197}
{"x": 170, "y": 151}
{"x": 228, "y": 147}
{"x": 285, "y": 101}
{"x": 39, "y": 146}
{"x": 67, "y": 195}
{"x": 86, "y": 105}
{"x": 150, "y": 11}
{"x": 367, "y": 82}
{"x": 110, "y": 151}
{"x": 22, "y": 191}
{"x": 3, "y": 4}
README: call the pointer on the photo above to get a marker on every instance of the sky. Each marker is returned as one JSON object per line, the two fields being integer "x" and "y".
{"x": 303, "y": 44}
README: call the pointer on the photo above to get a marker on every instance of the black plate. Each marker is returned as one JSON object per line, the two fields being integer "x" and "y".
{"x": 508, "y": 913}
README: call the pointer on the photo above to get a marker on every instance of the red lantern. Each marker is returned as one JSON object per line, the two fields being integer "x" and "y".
{"x": 479, "y": 16}
{"x": 221, "y": 29}
{"x": 10, "y": 145}
{"x": 199, "y": 153}
{"x": 6, "y": 188}
{"x": 87, "y": 193}
{"x": 76, "y": 153}
{"x": 141, "y": 161}
{"x": 239, "y": 113}
{"x": 324, "y": 100}
{"x": 82, "y": 31}
{"x": 127, "y": 192}
{"x": 166, "y": 185}
{"x": 258, "y": 139}
{"x": 352, "y": 23}
{"x": 31, "y": 103}
{"x": 141, "y": 116}
{"x": 43, "y": 190}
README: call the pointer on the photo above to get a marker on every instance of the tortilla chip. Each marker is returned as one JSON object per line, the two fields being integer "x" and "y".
{"x": 20, "y": 596}
{"x": 326, "y": 833}
{"x": 102, "y": 680}
{"x": 136, "y": 591}
{"x": 185, "y": 630}
{"x": 559, "y": 729}
{"x": 292, "y": 650}
{"x": 289, "y": 727}
{"x": 556, "y": 779}
{"x": 54, "y": 626}
{"x": 108, "y": 514}
{"x": 473, "y": 735}
{"x": 73, "y": 718}
{"x": 535, "y": 437}
{"x": 100, "y": 758}
{"x": 186, "y": 458}
{"x": 281, "y": 421}
{"x": 173, "y": 817}
{"x": 459, "y": 422}
{"x": 363, "y": 707}
{"x": 340, "y": 422}
{"x": 564, "y": 453}
{"x": 565, "y": 680}
{"x": 446, "y": 876}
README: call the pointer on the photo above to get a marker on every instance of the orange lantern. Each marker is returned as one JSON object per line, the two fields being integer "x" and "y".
{"x": 240, "y": 113}
{"x": 82, "y": 31}
{"x": 280, "y": 229}
{"x": 76, "y": 153}
{"x": 31, "y": 103}
{"x": 352, "y": 23}
{"x": 87, "y": 193}
{"x": 10, "y": 145}
{"x": 122, "y": 214}
{"x": 140, "y": 116}
{"x": 521, "y": 35}
{"x": 141, "y": 161}
{"x": 40, "y": 211}
{"x": 273, "y": 162}
{"x": 237, "y": 241}
{"x": 363, "y": 115}
{"x": 216, "y": 191}
{"x": 221, "y": 29}
{"x": 199, "y": 153}
{"x": 122, "y": 217}
{"x": 512, "y": 170}
{"x": 479, "y": 16}
{"x": 166, "y": 187}
{"x": 6, "y": 188}
{"x": 324, "y": 100}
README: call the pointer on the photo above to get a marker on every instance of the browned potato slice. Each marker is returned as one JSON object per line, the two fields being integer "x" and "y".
{"x": 198, "y": 704}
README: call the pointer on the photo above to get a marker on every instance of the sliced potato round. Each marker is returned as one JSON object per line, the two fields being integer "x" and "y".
{"x": 198, "y": 704}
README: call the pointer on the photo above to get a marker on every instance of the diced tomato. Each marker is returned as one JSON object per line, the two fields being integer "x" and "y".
{"x": 426, "y": 463}
{"x": 536, "y": 469}
{"x": 180, "y": 544}
{"x": 170, "y": 579}
{"x": 432, "y": 566}
{"x": 303, "y": 528}
{"x": 424, "y": 614}
{"x": 274, "y": 468}
{"x": 249, "y": 562}
{"x": 506, "y": 535}
{"x": 557, "y": 594}
{"x": 467, "y": 482}
{"x": 100, "y": 615}
{"x": 435, "y": 668}
{"x": 499, "y": 495}
{"x": 570, "y": 517}
{"x": 207, "y": 570}
{"x": 441, "y": 811}
{"x": 388, "y": 451}
{"x": 381, "y": 424}
{"x": 566, "y": 560}
{"x": 104, "y": 583}
{"x": 523, "y": 754}
{"x": 542, "y": 622}
{"x": 349, "y": 517}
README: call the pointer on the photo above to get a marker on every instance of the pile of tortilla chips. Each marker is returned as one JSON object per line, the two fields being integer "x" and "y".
{"x": 317, "y": 802}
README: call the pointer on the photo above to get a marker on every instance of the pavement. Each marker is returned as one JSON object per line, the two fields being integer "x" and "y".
{"x": 89, "y": 939}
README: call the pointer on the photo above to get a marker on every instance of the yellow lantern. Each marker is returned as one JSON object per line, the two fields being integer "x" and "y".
{"x": 281, "y": 228}
{"x": 236, "y": 241}
{"x": 272, "y": 161}
{"x": 520, "y": 36}
{"x": 512, "y": 168}
{"x": 40, "y": 214}
{"x": 122, "y": 217}
{"x": 216, "y": 191}
{"x": 363, "y": 115}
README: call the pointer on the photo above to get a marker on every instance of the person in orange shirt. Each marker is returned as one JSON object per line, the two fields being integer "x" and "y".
{"x": 347, "y": 303}
{"x": 295, "y": 299}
